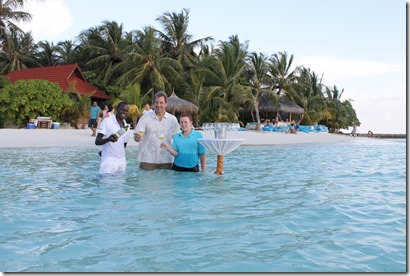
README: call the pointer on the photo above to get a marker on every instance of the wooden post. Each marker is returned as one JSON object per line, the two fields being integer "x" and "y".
{"x": 219, "y": 165}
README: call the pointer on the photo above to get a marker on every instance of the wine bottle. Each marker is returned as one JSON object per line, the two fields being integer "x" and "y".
{"x": 120, "y": 132}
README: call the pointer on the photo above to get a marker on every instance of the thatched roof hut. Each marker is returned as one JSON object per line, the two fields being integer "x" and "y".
{"x": 283, "y": 105}
{"x": 176, "y": 104}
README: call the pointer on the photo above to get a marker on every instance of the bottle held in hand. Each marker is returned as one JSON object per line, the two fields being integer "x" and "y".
{"x": 120, "y": 132}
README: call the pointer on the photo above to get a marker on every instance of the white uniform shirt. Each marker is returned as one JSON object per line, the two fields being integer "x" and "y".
{"x": 108, "y": 127}
{"x": 150, "y": 150}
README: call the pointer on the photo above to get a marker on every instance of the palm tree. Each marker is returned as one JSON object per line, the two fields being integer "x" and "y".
{"x": 67, "y": 52}
{"x": 8, "y": 16}
{"x": 148, "y": 65}
{"x": 280, "y": 71}
{"x": 132, "y": 95}
{"x": 47, "y": 54}
{"x": 106, "y": 46}
{"x": 82, "y": 105}
{"x": 258, "y": 77}
{"x": 225, "y": 84}
{"x": 20, "y": 54}
{"x": 342, "y": 114}
{"x": 176, "y": 40}
{"x": 178, "y": 44}
{"x": 334, "y": 94}
{"x": 307, "y": 92}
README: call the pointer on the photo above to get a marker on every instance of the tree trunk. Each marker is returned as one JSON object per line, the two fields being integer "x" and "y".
{"x": 258, "y": 118}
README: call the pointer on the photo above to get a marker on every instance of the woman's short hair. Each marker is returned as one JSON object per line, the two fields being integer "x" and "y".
{"x": 186, "y": 115}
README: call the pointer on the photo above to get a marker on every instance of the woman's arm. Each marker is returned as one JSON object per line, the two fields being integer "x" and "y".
{"x": 203, "y": 161}
{"x": 169, "y": 148}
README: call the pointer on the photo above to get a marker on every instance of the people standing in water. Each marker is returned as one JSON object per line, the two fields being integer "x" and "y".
{"x": 152, "y": 129}
{"x": 92, "y": 122}
{"x": 112, "y": 135}
{"x": 186, "y": 148}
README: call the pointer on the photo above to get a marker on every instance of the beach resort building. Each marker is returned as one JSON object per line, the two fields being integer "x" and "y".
{"x": 64, "y": 76}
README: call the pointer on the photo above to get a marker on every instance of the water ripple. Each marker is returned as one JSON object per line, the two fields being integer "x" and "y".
{"x": 300, "y": 208}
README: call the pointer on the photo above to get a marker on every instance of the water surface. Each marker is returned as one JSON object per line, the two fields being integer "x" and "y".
{"x": 297, "y": 208}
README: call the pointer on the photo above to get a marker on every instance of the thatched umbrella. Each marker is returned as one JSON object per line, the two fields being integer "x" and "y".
{"x": 176, "y": 104}
{"x": 266, "y": 105}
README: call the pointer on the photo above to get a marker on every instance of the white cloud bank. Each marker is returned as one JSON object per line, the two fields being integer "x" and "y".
{"x": 378, "y": 89}
{"x": 336, "y": 69}
{"x": 50, "y": 19}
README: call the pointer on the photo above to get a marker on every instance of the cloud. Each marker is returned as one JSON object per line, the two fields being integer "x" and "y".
{"x": 336, "y": 69}
{"x": 50, "y": 19}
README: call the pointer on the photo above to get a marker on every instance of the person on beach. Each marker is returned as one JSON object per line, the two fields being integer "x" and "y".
{"x": 92, "y": 122}
{"x": 152, "y": 129}
{"x": 113, "y": 147}
{"x": 105, "y": 110}
{"x": 100, "y": 117}
{"x": 186, "y": 148}
{"x": 370, "y": 134}
{"x": 292, "y": 129}
{"x": 147, "y": 108}
{"x": 353, "y": 133}
{"x": 110, "y": 112}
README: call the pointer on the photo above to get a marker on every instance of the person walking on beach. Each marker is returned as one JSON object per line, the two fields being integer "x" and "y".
{"x": 152, "y": 129}
{"x": 186, "y": 148}
{"x": 92, "y": 122}
{"x": 112, "y": 135}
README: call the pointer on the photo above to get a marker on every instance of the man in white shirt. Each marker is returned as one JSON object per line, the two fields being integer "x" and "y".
{"x": 113, "y": 149}
{"x": 152, "y": 129}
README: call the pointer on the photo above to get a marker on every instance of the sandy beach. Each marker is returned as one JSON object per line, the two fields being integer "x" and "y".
{"x": 14, "y": 138}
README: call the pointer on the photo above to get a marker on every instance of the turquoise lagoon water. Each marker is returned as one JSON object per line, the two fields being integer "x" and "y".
{"x": 289, "y": 208}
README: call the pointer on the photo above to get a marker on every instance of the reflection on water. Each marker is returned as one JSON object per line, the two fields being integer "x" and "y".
{"x": 330, "y": 208}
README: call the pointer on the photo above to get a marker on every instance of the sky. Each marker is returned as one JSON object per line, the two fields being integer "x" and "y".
{"x": 359, "y": 46}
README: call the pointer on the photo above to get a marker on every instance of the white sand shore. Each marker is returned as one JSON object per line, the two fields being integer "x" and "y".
{"x": 14, "y": 138}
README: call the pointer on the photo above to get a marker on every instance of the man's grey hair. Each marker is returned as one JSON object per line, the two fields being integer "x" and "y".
{"x": 161, "y": 94}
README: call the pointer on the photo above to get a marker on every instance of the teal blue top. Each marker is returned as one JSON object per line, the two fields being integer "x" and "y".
{"x": 188, "y": 148}
{"x": 94, "y": 112}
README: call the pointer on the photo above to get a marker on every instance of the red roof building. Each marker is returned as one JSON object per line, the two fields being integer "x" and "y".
{"x": 63, "y": 75}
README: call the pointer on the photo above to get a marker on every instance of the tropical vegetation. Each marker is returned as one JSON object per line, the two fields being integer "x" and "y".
{"x": 224, "y": 79}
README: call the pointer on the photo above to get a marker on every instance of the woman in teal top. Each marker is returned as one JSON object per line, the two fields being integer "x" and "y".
{"x": 186, "y": 148}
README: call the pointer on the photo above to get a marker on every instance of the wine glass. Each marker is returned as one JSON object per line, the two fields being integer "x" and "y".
{"x": 236, "y": 127}
{"x": 209, "y": 127}
{"x": 161, "y": 137}
{"x": 217, "y": 127}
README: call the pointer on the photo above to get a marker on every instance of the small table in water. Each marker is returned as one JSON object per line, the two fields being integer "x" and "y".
{"x": 220, "y": 147}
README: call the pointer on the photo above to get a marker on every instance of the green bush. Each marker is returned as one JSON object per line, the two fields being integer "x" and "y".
{"x": 27, "y": 99}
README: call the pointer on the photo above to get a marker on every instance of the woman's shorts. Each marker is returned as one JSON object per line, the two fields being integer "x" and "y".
{"x": 182, "y": 169}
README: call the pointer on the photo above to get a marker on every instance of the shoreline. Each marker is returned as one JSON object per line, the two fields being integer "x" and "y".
{"x": 34, "y": 138}
{"x": 381, "y": 135}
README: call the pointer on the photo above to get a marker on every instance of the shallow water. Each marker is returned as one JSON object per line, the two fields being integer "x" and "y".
{"x": 297, "y": 208}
